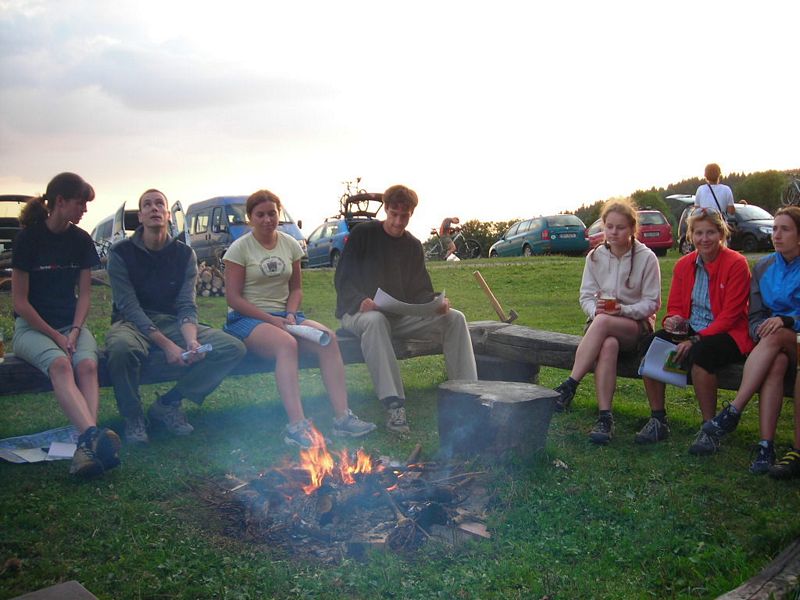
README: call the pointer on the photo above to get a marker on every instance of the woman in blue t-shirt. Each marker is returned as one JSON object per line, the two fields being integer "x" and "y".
{"x": 774, "y": 323}
{"x": 51, "y": 257}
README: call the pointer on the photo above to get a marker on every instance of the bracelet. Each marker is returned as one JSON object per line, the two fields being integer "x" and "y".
{"x": 78, "y": 327}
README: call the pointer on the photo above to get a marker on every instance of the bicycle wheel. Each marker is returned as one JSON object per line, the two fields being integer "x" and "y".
{"x": 434, "y": 252}
{"x": 469, "y": 249}
{"x": 791, "y": 196}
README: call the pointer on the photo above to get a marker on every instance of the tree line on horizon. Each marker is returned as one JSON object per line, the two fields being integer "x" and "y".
{"x": 762, "y": 188}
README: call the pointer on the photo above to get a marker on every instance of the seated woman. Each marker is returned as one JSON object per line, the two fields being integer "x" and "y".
{"x": 708, "y": 302}
{"x": 620, "y": 294}
{"x": 774, "y": 323}
{"x": 51, "y": 256}
{"x": 264, "y": 290}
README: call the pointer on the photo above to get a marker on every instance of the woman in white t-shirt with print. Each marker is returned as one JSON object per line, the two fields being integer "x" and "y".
{"x": 263, "y": 286}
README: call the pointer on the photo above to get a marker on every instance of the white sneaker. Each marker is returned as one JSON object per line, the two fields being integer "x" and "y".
{"x": 351, "y": 426}
{"x": 136, "y": 431}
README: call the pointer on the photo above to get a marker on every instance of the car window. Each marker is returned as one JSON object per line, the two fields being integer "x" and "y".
{"x": 317, "y": 233}
{"x": 595, "y": 227}
{"x": 236, "y": 214}
{"x": 104, "y": 230}
{"x": 512, "y": 230}
{"x": 651, "y": 218}
{"x": 537, "y": 224}
{"x": 200, "y": 224}
{"x": 564, "y": 221}
{"x": 216, "y": 220}
{"x": 751, "y": 212}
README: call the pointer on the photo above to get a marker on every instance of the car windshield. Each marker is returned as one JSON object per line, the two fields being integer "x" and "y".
{"x": 10, "y": 209}
{"x": 750, "y": 212}
{"x": 564, "y": 221}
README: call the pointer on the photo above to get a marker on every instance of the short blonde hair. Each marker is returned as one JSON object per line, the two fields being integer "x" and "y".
{"x": 710, "y": 215}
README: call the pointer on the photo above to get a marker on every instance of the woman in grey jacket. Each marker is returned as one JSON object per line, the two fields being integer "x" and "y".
{"x": 620, "y": 294}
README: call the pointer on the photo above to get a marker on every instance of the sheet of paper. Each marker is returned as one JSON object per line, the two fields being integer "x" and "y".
{"x": 310, "y": 333}
{"x": 31, "y": 455}
{"x": 389, "y": 304}
{"x": 61, "y": 451}
{"x": 653, "y": 363}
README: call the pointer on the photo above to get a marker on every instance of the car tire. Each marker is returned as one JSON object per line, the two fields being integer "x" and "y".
{"x": 526, "y": 250}
{"x": 685, "y": 246}
{"x": 660, "y": 251}
{"x": 749, "y": 243}
{"x": 493, "y": 254}
{"x": 335, "y": 258}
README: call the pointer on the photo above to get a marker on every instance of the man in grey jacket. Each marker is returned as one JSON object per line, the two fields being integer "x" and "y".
{"x": 153, "y": 286}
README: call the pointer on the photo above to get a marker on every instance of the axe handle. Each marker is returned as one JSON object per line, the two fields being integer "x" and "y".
{"x": 495, "y": 304}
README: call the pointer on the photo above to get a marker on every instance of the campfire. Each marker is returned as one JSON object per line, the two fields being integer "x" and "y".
{"x": 344, "y": 503}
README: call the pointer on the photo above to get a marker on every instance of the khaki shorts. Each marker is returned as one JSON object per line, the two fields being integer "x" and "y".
{"x": 40, "y": 350}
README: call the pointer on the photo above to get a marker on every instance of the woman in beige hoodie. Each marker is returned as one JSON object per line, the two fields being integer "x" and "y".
{"x": 620, "y": 294}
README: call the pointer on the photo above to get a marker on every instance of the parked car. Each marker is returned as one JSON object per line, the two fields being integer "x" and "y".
{"x": 554, "y": 234}
{"x": 752, "y": 230}
{"x": 655, "y": 232}
{"x": 10, "y": 207}
{"x": 124, "y": 222}
{"x": 326, "y": 243}
{"x": 212, "y": 225}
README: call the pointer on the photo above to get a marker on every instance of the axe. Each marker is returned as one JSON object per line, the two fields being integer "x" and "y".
{"x": 512, "y": 314}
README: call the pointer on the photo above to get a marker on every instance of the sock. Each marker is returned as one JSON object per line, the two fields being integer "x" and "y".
{"x": 172, "y": 397}
{"x": 661, "y": 415}
{"x": 605, "y": 414}
{"x": 572, "y": 383}
{"x": 733, "y": 409}
{"x": 765, "y": 443}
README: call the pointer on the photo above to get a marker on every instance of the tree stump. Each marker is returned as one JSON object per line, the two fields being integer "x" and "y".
{"x": 492, "y": 418}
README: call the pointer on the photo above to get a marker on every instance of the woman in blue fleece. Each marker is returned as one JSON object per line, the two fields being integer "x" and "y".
{"x": 774, "y": 323}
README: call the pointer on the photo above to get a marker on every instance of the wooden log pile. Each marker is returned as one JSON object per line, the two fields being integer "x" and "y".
{"x": 210, "y": 281}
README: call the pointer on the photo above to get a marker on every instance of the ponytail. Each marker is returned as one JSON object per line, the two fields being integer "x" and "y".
{"x": 33, "y": 212}
{"x": 66, "y": 185}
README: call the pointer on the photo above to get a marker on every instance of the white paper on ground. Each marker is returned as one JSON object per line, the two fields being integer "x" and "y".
{"x": 653, "y": 363}
{"x": 387, "y": 303}
{"x": 310, "y": 333}
{"x": 31, "y": 455}
{"x": 61, "y": 451}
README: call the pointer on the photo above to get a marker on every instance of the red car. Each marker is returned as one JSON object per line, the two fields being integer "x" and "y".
{"x": 655, "y": 232}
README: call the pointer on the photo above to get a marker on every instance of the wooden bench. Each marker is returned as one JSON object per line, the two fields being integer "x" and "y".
{"x": 506, "y": 352}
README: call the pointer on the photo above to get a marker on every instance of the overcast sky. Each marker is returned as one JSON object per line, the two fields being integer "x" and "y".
{"x": 490, "y": 110}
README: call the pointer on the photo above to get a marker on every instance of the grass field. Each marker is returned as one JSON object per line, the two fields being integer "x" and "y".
{"x": 620, "y": 522}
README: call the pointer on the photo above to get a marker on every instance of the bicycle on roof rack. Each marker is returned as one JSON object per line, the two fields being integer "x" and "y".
{"x": 354, "y": 196}
{"x": 791, "y": 195}
{"x": 465, "y": 248}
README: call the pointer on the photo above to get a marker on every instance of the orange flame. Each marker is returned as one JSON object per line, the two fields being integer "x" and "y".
{"x": 320, "y": 463}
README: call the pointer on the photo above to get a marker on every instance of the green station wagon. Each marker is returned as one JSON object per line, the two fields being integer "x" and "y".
{"x": 555, "y": 234}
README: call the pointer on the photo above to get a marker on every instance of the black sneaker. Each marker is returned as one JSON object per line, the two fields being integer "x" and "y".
{"x": 603, "y": 430}
{"x": 725, "y": 422}
{"x": 704, "y": 444}
{"x": 765, "y": 458}
{"x": 788, "y": 466}
{"x": 566, "y": 392}
{"x": 655, "y": 430}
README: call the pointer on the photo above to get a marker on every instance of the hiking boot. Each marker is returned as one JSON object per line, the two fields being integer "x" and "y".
{"x": 788, "y": 466}
{"x": 704, "y": 444}
{"x": 299, "y": 434}
{"x": 725, "y": 422}
{"x": 171, "y": 416}
{"x": 85, "y": 462}
{"x": 106, "y": 445}
{"x": 566, "y": 392}
{"x": 136, "y": 431}
{"x": 765, "y": 458}
{"x": 397, "y": 420}
{"x": 350, "y": 425}
{"x": 655, "y": 430}
{"x": 603, "y": 430}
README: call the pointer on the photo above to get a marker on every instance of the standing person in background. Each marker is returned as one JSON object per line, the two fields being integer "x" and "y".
{"x": 264, "y": 289}
{"x": 714, "y": 195}
{"x": 51, "y": 256}
{"x": 620, "y": 294}
{"x": 446, "y": 232}
{"x": 774, "y": 323}
{"x": 153, "y": 280}
{"x": 382, "y": 254}
{"x": 707, "y": 302}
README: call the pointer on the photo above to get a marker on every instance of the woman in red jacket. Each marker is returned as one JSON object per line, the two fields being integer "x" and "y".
{"x": 708, "y": 299}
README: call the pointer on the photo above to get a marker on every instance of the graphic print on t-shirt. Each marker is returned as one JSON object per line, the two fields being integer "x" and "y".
{"x": 272, "y": 266}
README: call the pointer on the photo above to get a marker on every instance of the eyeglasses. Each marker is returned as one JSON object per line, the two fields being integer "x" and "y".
{"x": 696, "y": 212}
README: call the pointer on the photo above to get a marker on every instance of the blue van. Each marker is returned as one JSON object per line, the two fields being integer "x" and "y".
{"x": 213, "y": 224}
